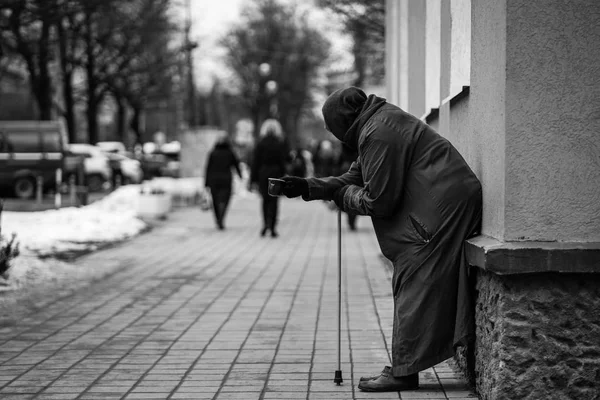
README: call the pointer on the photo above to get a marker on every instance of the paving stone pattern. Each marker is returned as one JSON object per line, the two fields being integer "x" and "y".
{"x": 196, "y": 313}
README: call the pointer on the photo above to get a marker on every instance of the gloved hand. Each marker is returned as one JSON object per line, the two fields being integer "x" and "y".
{"x": 294, "y": 186}
{"x": 338, "y": 196}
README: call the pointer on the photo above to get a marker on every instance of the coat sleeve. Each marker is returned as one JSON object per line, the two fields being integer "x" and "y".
{"x": 323, "y": 188}
{"x": 385, "y": 160}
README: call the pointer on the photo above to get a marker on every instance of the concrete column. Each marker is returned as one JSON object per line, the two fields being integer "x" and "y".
{"x": 432, "y": 54}
{"x": 460, "y": 46}
{"x": 445, "y": 48}
{"x": 535, "y": 92}
{"x": 392, "y": 48}
{"x": 487, "y": 108}
{"x": 552, "y": 120}
{"x": 416, "y": 57}
{"x": 404, "y": 55}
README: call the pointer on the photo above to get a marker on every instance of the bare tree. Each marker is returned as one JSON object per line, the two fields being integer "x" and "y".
{"x": 144, "y": 61}
{"x": 275, "y": 55}
{"x": 365, "y": 21}
{"x": 25, "y": 26}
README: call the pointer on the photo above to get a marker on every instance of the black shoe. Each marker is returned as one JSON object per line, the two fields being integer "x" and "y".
{"x": 386, "y": 370}
{"x": 274, "y": 234}
{"x": 263, "y": 232}
{"x": 387, "y": 383}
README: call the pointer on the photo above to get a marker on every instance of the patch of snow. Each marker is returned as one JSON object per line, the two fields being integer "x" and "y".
{"x": 70, "y": 229}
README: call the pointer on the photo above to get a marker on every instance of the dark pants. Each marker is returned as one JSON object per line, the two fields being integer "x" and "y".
{"x": 270, "y": 207}
{"x": 220, "y": 197}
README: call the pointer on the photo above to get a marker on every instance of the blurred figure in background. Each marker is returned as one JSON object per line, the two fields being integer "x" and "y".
{"x": 345, "y": 160}
{"x": 218, "y": 177}
{"x": 269, "y": 161}
{"x": 298, "y": 163}
{"x": 324, "y": 160}
{"x": 308, "y": 159}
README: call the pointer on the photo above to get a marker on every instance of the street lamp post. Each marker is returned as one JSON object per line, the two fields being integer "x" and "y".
{"x": 270, "y": 88}
{"x": 189, "y": 46}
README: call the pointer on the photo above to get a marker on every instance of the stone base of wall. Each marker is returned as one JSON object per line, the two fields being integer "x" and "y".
{"x": 538, "y": 337}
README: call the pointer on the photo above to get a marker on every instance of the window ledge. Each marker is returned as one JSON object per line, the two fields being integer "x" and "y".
{"x": 434, "y": 113}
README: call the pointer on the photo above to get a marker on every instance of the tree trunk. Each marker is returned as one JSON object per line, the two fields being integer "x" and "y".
{"x": 92, "y": 84}
{"x": 358, "y": 50}
{"x": 136, "y": 124}
{"x": 41, "y": 85}
{"x": 121, "y": 118}
{"x": 67, "y": 74}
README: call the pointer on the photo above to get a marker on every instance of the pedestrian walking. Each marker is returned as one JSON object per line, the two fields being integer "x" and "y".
{"x": 297, "y": 165}
{"x": 424, "y": 201}
{"x": 324, "y": 159}
{"x": 218, "y": 177}
{"x": 269, "y": 161}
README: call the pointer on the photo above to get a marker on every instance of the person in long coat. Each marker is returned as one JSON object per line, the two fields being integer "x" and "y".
{"x": 218, "y": 177}
{"x": 269, "y": 160}
{"x": 424, "y": 201}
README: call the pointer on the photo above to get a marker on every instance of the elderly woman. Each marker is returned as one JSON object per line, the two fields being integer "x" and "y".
{"x": 424, "y": 201}
{"x": 269, "y": 161}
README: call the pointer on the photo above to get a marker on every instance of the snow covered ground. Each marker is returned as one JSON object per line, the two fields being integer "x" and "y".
{"x": 45, "y": 236}
{"x": 51, "y": 232}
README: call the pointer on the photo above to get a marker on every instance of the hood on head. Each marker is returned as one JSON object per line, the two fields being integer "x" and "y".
{"x": 341, "y": 109}
{"x": 346, "y": 110}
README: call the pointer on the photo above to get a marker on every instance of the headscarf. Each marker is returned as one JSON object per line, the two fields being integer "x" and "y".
{"x": 346, "y": 110}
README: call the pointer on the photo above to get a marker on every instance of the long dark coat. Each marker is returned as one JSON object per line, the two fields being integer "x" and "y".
{"x": 221, "y": 162}
{"x": 424, "y": 201}
{"x": 268, "y": 161}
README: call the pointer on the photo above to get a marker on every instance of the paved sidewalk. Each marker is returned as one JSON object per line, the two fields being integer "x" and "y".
{"x": 196, "y": 313}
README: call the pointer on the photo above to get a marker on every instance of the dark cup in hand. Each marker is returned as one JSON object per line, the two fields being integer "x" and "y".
{"x": 276, "y": 187}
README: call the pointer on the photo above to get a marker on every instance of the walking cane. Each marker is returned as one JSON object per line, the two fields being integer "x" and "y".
{"x": 338, "y": 374}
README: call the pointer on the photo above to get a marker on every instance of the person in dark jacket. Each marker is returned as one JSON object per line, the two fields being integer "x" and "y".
{"x": 269, "y": 161}
{"x": 218, "y": 177}
{"x": 424, "y": 201}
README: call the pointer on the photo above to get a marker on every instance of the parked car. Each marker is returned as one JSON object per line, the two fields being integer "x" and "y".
{"x": 172, "y": 152}
{"x": 126, "y": 168}
{"x": 112, "y": 147}
{"x": 96, "y": 163}
{"x": 30, "y": 150}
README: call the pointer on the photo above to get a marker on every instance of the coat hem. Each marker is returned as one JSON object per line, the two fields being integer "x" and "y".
{"x": 404, "y": 370}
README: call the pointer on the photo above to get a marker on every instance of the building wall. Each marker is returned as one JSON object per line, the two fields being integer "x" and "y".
{"x": 530, "y": 129}
{"x": 553, "y": 120}
{"x": 432, "y": 54}
{"x": 460, "y": 47}
{"x": 416, "y": 62}
{"x": 487, "y": 104}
